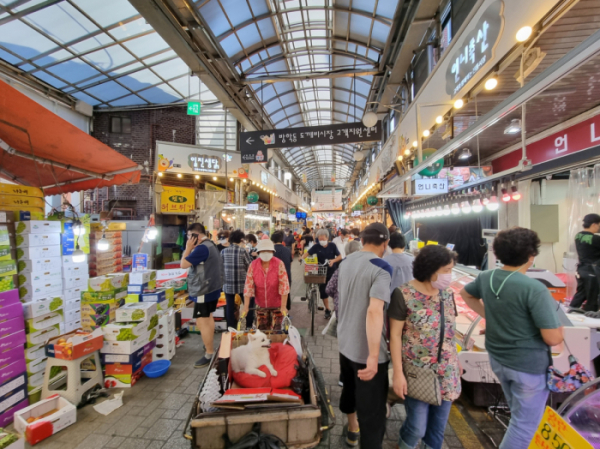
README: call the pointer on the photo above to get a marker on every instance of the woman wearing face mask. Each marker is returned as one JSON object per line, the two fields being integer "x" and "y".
{"x": 266, "y": 280}
{"x": 223, "y": 240}
{"x": 325, "y": 251}
{"x": 417, "y": 310}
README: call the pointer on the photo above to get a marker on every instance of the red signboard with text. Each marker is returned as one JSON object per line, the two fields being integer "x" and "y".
{"x": 581, "y": 136}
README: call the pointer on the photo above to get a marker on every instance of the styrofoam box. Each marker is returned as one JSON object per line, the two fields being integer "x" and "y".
{"x": 38, "y": 265}
{"x": 125, "y": 347}
{"x": 40, "y": 276}
{"x": 36, "y": 366}
{"x": 26, "y": 240}
{"x": 35, "y": 352}
{"x": 72, "y": 304}
{"x": 41, "y": 307}
{"x": 67, "y": 261}
{"x": 38, "y": 252}
{"x": 30, "y": 292}
{"x": 38, "y": 227}
{"x": 73, "y": 293}
{"x": 44, "y": 321}
{"x": 75, "y": 270}
{"x": 79, "y": 281}
{"x": 72, "y": 315}
{"x": 64, "y": 417}
{"x": 72, "y": 325}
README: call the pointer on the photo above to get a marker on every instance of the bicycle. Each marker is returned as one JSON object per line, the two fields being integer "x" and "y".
{"x": 314, "y": 275}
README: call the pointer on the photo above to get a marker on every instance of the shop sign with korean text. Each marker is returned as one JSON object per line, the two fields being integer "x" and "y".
{"x": 555, "y": 433}
{"x": 254, "y": 144}
{"x": 181, "y": 158}
{"x": 476, "y": 49}
{"x": 177, "y": 200}
{"x": 430, "y": 186}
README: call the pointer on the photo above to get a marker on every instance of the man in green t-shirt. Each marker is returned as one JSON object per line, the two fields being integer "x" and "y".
{"x": 521, "y": 325}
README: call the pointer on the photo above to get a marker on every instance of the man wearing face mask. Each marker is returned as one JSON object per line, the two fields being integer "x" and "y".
{"x": 325, "y": 251}
{"x": 521, "y": 326}
{"x": 266, "y": 280}
{"x": 340, "y": 241}
{"x": 223, "y": 240}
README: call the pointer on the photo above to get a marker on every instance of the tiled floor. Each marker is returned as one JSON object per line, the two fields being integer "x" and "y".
{"x": 155, "y": 410}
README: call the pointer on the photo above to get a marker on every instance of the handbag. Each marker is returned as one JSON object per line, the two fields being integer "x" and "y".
{"x": 424, "y": 384}
{"x": 577, "y": 376}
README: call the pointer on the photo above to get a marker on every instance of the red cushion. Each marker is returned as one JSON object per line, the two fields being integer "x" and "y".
{"x": 284, "y": 360}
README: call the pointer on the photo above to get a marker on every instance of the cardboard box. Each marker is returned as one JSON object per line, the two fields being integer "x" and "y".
{"x": 32, "y": 292}
{"x": 92, "y": 322}
{"x": 11, "y": 326}
{"x": 139, "y": 289}
{"x": 83, "y": 344}
{"x": 129, "y": 359}
{"x": 10, "y": 386}
{"x": 110, "y": 226}
{"x": 40, "y": 265}
{"x": 75, "y": 270}
{"x": 111, "y": 369}
{"x": 38, "y": 227}
{"x": 36, "y": 366}
{"x": 11, "y": 311}
{"x": 142, "y": 277}
{"x": 9, "y": 297}
{"x": 129, "y": 331}
{"x": 72, "y": 315}
{"x": 158, "y": 295}
{"x": 79, "y": 280}
{"x": 35, "y": 352}
{"x": 108, "y": 283}
{"x": 138, "y": 312}
{"x": 25, "y": 240}
{"x": 8, "y": 267}
{"x": 6, "y": 418}
{"x": 163, "y": 306}
{"x": 67, "y": 261}
{"x": 8, "y": 253}
{"x": 40, "y": 277}
{"x": 11, "y": 355}
{"x": 8, "y": 283}
{"x": 11, "y": 398}
{"x": 132, "y": 298}
{"x": 122, "y": 380}
{"x": 35, "y": 382}
{"x": 45, "y": 321}
{"x": 42, "y": 336}
{"x": 13, "y": 370}
{"x": 176, "y": 278}
{"x": 129, "y": 346}
{"x": 38, "y": 252}
{"x": 112, "y": 295}
{"x": 70, "y": 326}
{"x": 49, "y": 425}
{"x": 72, "y": 304}
{"x": 15, "y": 340}
{"x": 42, "y": 307}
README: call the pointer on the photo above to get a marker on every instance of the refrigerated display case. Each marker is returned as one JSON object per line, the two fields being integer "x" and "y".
{"x": 582, "y": 409}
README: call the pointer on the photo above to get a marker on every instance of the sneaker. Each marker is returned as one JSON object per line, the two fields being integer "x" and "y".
{"x": 352, "y": 438}
{"x": 204, "y": 361}
{"x": 328, "y": 314}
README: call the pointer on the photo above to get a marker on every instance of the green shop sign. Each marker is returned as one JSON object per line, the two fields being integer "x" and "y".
{"x": 178, "y": 199}
{"x": 372, "y": 200}
{"x": 252, "y": 197}
{"x": 292, "y": 210}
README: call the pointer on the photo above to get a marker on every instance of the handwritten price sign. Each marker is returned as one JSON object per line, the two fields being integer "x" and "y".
{"x": 555, "y": 433}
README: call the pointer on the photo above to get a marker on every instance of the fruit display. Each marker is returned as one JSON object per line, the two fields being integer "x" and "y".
{"x": 7, "y": 283}
{"x": 7, "y": 438}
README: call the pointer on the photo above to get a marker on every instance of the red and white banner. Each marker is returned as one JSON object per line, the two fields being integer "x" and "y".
{"x": 579, "y": 137}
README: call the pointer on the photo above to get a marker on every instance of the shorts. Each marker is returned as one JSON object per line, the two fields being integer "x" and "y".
{"x": 204, "y": 309}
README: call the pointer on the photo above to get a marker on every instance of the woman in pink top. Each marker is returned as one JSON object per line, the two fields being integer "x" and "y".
{"x": 266, "y": 280}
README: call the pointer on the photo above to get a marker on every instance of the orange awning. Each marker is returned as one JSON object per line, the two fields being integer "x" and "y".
{"x": 66, "y": 158}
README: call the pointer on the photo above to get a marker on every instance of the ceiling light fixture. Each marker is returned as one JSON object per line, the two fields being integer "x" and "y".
{"x": 493, "y": 205}
{"x": 485, "y": 201}
{"x": 214, "y": 178}
{"x": 415, "y": 144}
{"x": 455, "y": 209}
{"x": 152, "y": 232}
{"x": 466, "y": 207}
{"x": 514, "y": 127}
{"x": 524, "y": 33}
{"x": 459, "y": 104}
{"x": 369, "y": 119}
{"x": 407, "y": 152}
{"x": 477, "y": 206}
{"x": 515, "y": 194}
{"x": 491, "y": 83}
{"x": 439, "y": 119}
{"x": 505, "y": 195}
{"x": 465, "y": 154}
{"x": 400, "y": 158}
{"x": 179, "y": 175}
{"x": 447, "y": 210}
{"x": 159, "y": 174}
{"x": 197, "y": 176}
{"x": 426, "y": 133}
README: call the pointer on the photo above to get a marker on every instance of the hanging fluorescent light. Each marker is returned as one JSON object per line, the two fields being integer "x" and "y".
{"x": 447, "y": 210}
{"x": 505, "y": 195}
{"x": 78, "y": 228}
{"x": 369, "y": 119}
{"x": 152, "y": 232}
{"x": 198, "y": 177}
{"x": 103, "y": 244}
{"x": 465, "y": 207}
{"x": 465, "y": 154}
{"x": 493, "y": 205}
{"x": 455, "y": 209}
{"x": 514, "y": 127}
{"x": 477, "y": 206}
{"x": 515, "y": 194}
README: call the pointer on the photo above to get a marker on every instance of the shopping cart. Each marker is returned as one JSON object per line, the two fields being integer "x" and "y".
{"x": 314, "y": 275}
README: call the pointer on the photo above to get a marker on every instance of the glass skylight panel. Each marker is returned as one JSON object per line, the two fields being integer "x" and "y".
{"x": 50, "y": 79}
{"x": 250, "y": 36}
{"x": 73, "y": 71}
{"x": 130, "y": 100}
{"x": 160, "y": 94}
{"x": 84, "y": 97}
{"x": 130, "y": 29}
{"x": 109, "y": 58}
{"x": 188, "y": 87}
{"x": 171, "y": 69}
{"x": 139, "y": 80}
{"x": 146, "y": 45}
{"x": 127, "y": 68}
{"x": 61, "y": 22}
{"x": 293, "y": 18}
{"x": 99, "y": 40}
{"x": 53, "y": 58}
{"x": 23, "y": 40}
{"x": 215, "y": 16}
{"x": 160, "y": 56}
{"x": 108, "y": 91}
{"x": 107, "y": 12}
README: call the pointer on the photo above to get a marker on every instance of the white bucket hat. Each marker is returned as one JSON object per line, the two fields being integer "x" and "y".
{"x": 265, "y": 245}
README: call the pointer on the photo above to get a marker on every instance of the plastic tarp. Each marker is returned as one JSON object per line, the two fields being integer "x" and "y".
{"x": 28, "y": 129}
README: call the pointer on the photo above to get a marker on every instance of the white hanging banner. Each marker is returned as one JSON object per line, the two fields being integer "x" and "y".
{"x": 327, "y": 200}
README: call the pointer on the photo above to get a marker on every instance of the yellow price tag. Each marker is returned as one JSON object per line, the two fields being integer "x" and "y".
{"x": 555, "y": 433}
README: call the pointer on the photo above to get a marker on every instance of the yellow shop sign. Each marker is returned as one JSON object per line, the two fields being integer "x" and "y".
{"x": 177, "y": 200}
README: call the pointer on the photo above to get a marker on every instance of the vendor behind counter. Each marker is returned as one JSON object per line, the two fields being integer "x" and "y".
{"x": 587, "y": 244}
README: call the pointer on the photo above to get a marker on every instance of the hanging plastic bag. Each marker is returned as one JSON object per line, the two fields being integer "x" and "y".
{"x": 294, "y": 339}
{"x": 331, "y": 328}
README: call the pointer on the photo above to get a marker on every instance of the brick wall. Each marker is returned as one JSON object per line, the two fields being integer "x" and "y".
{"x": 147, "y": 126}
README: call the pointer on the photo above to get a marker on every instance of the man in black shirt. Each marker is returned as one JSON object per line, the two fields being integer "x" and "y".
{"x": 587, "y": 244}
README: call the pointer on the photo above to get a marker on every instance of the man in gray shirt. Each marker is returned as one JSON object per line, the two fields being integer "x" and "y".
{"x": 400, "y": 262}
{"x": 364, "y": 291}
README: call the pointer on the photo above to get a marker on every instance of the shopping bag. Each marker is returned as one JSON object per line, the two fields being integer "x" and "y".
{"x": 577, "y": 376}
{"x": 294, "y": 339}
{"x": 331, "y": 328}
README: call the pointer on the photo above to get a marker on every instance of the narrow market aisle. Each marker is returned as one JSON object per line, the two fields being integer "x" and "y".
{"x": 153, "y": 414}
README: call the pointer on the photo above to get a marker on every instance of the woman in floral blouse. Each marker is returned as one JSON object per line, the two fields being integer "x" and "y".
{"x": 415, "y": 319}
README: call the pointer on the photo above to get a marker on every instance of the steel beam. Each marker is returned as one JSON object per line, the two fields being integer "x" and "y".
{"x": 310, "y": 76}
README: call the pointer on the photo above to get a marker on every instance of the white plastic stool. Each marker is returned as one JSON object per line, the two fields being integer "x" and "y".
{"x": 78, "y": 382}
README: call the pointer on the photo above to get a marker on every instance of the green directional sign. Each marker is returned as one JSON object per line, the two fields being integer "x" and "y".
{"x": 194, "y": 108}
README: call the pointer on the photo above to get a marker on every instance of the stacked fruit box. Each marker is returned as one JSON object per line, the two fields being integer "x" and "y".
{"x": 105, "y": 294}
{"x": 108, "y": 261}
{"x": 40, "y": 289}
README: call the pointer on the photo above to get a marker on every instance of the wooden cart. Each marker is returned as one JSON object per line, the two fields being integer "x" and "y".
{"x": 298, "y": 427}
